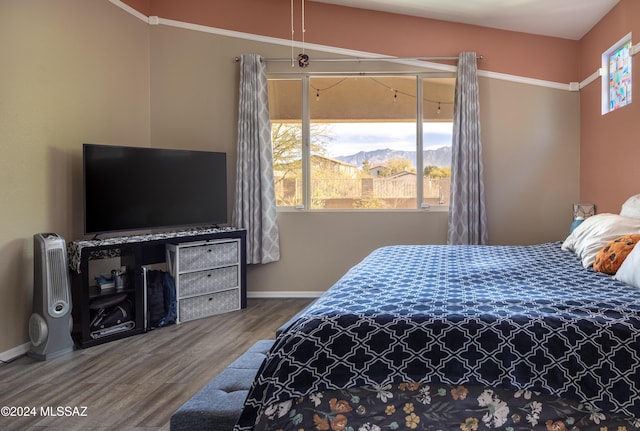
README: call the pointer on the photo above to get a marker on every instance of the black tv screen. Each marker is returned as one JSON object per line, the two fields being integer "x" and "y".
{"x": 138, "y": 188}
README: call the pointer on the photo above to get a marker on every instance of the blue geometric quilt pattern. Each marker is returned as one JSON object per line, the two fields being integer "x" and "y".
{"x": 518, "y": 317}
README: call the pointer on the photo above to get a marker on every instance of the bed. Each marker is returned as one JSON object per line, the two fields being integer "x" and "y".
{"x": 436, "y": 337}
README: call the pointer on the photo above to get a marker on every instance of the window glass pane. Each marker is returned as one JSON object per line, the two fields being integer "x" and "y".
{"x": 437, "y": 130}
{"x": 285, "y": 101}
{"x": 363, "y": 142}
{"x": 620, "y": 77}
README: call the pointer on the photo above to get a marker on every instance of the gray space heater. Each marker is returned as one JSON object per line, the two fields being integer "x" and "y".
{"x": 50, "y": 322}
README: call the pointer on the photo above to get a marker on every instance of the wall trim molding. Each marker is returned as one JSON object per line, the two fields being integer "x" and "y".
{"x": 284, "y": 294}
{"x": 154, "y": 20}
{"x": 17, "y": 351}
{"x": 524, "y": 80}
{"x": 130, "y": 10}
{"x": 591, "y": 78}
{"x": 23, "y": 349}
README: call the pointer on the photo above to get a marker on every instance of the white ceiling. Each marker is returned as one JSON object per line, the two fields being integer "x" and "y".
{"x": 567, "y": 19}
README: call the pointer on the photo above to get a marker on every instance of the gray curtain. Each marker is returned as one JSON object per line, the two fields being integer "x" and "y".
{"x": 255, "y": 204}
{"x": 467, "y": 216}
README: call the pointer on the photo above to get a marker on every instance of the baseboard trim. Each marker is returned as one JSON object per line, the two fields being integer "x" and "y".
{"x": 283, "y": 294}
{"x": 11, "y": 354}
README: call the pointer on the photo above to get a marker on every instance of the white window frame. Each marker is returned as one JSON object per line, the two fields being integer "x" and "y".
{"x": 604, "y": 71}
{"x": 305, "y": 79}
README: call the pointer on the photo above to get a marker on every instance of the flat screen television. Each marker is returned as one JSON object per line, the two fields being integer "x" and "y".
{"x": 139, "y": 188}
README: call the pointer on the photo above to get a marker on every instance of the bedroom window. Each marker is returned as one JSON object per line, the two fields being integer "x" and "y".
{"x": 616, "y": 75}
{"x": 362, "y": 141}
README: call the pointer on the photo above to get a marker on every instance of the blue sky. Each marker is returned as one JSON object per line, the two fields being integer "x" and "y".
{"x": 351, "y": 138}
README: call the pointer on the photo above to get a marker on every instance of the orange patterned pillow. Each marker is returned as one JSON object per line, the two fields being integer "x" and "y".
{"x": 609, "y": 259}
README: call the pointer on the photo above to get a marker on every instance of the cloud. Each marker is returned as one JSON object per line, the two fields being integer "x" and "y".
{"x": 351, "y": 138}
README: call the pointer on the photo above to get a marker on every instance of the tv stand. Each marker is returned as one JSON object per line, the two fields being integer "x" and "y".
{"x": 135, "y": 253}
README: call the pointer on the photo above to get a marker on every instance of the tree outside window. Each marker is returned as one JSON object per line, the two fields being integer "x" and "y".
{"x": 363, "y": 150}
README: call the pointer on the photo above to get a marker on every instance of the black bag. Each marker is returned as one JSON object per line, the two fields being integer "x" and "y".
{"x": 110, "y": 315}
{"x": 161, "y": 299}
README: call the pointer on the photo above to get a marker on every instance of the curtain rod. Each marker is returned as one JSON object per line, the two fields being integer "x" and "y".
{"x": 357, "y": 59}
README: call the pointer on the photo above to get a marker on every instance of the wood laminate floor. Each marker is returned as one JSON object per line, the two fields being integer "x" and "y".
{"x": 135, "y": 383}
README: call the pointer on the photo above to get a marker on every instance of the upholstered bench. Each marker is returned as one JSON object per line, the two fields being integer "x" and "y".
{"x": 218, "y": 405}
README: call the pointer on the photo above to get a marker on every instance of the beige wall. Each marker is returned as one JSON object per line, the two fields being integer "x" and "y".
{"x": 317, "y": 248}
{"x": 72, "y": 71}
{"x": 530, "y": 143}
{"x": 530, "y": 133}
{"x": 76, "y": 71}
{"x": 531, "y": 168}
{"x": 531, "y": 155}
{"x": 606, "y": 141}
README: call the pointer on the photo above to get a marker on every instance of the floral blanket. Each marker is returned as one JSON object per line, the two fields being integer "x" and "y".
{"x": 416, "y": 406}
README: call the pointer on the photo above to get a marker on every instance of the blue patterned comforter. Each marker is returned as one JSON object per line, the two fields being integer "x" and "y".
{"x": 525, "y": 318}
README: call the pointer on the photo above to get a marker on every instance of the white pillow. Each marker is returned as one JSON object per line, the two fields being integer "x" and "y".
{"x": 595, "y": 232}
{"x": 631, "y": 208}
{"x": 629, "y": 271}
